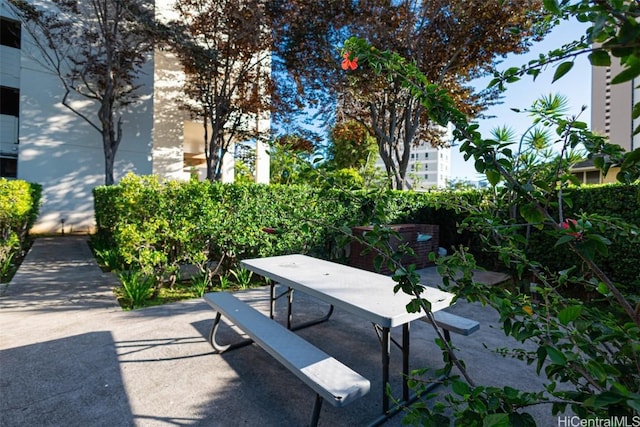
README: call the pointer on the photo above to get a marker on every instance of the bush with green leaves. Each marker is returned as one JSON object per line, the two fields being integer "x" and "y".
{"x": 199, "y": 222}
{"x": 587, "y": 342}
{"x": 19, "y": 208}
{"x": 156, "y": 226}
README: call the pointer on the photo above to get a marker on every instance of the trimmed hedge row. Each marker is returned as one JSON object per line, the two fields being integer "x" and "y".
{"x": 621, "y": 202}
{"x": 158, "y": 226}
{"x": 19, "y": 208}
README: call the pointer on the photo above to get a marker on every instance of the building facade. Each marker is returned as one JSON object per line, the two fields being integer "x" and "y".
{"x": 612, "y": 107}
{"x": 611, "y": 116}
{"x": 429, "y": 167}
{"x": 44, "y": 142}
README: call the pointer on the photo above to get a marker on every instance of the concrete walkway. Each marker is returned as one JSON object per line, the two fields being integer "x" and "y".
{"x": 69, "y": 356}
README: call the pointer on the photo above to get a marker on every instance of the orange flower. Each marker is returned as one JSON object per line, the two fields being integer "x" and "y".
{"x": 527, "y": 309}
{"x": 348, "y": 64}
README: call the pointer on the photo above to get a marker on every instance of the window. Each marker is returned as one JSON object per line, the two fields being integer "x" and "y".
{"x": 8, "y": 167}
{"x": 592, "y": 177}
{"x": 9, "y": 101}
{"x": 426, "y": 155}
{"x": 9, "y": 33}
{"x": 588, "y": 177}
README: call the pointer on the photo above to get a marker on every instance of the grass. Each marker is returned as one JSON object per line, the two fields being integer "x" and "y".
{"x": 166, "y": 295}
{"x": 179, "y": 292}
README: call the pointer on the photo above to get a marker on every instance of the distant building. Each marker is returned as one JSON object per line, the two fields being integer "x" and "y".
{"x": 611, "y": 116}
{"x": 42, "y": 141}
{"x": 428, "y": 167}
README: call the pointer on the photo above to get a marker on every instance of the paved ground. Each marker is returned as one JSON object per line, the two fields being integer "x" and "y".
{"x": 69, "y": 356}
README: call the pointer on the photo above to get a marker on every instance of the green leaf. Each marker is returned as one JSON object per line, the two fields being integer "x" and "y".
{"x": 556, "y": 356}
{"x": 603, "y": 288}
{"x": 630, "y": 72}
{"x": 596, "y": 370}
{"x": 496, "y": 420}
{"x": 552, "y": 6}
{"x": 631, "y": 158}
{"x": 600, "y": 58}
{"x": 377, "y": 262}
{"x": 564, "y": 239}
{"x": 493, "y": 177}
{"x": 634, "y": 404}
{"x": 477, "y": 406}
{"x": 562, "y": 69}
{"x": 531, "y": 214}
{"x": 569, "y": 314}
{"x": 461, "y": 388}
{"x": 606, "y": 399}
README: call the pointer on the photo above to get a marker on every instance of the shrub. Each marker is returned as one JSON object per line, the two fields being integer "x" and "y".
{"x": 19, "y": 207}
{"x": 158, "y": 226}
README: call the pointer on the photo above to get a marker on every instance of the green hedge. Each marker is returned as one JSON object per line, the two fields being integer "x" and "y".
{"x": 19, "y": 207}
{"x": 161, "y": 225}
{"x": 621, "y": 202}
{"x": 158, "y": 225}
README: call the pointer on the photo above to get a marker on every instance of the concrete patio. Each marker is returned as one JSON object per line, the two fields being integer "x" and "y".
{"x": 69, "y": 356}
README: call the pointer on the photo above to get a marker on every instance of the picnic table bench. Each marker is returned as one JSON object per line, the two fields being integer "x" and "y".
{"x": 329, "y": 378}
{"x": 450, "y": 322}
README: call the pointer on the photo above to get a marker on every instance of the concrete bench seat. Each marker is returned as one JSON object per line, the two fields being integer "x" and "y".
{"x": 328, "y": 377}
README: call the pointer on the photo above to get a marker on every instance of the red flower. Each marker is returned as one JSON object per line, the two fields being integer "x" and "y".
{"x": 348, "y": 64}
{"x": 572, "y": 224}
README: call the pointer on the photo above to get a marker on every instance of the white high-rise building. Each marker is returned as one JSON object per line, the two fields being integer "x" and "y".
{"x": 611, "y": 116}
{"x": 428, "y": 167}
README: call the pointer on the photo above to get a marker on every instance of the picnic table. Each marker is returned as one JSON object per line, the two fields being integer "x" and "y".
{"x": 364, "y": 294}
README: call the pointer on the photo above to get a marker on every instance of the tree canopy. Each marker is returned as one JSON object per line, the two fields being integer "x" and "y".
{"x": 224, "y": 47}
{"x": 451, "y": 42}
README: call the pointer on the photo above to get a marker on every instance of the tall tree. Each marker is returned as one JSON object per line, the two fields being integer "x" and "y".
{"x": 97, "y": 49}
{"x": 225, "y": 49}
{"x": 451, "y": 41}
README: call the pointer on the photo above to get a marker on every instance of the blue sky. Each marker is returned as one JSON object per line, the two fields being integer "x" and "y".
{"x": 576, "y": 86}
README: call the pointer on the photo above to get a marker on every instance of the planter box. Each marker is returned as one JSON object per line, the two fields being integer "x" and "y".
{"x": 415, "y": 234}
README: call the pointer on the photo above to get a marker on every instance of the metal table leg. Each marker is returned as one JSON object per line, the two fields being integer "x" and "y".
{"x": 385, "y": 344}
{"x": 289, "y": 294}
{"x": 405, "y": 362}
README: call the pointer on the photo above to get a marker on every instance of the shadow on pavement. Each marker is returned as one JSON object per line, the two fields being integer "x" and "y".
{"x": 92, "y": 393}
